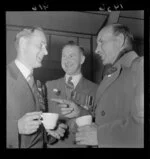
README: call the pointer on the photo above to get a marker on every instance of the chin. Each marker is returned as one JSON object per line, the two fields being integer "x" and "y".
{"x": 38, "y": 65}
{"x": 69, "y": 73}
{"x": 104, "y": 63}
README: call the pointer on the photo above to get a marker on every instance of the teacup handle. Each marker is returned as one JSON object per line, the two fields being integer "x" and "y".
{"x": 41, "y": 118}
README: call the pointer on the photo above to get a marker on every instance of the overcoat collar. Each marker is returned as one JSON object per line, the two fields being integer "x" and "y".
{"x": 124, "y": 61}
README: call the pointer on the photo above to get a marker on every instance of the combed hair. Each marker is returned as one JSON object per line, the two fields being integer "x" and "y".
{"x": 26, "y": 32}
{"x": 72, "y": 43}
{"x": 128, "y": 37}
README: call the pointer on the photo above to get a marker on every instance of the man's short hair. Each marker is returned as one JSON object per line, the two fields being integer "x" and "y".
{"x": 128, "y": 37}
{"x": 26, "y": 32}
{"x": 72, "y": 43}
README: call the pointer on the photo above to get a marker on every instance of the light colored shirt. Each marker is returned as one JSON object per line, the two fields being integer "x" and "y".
{"x": 75, "y": 79}
{"x": 23, "y": 69}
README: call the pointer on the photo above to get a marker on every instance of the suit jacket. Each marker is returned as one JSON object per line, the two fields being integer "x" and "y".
{"x": 119, "y": 105}
{"x": 83, "y": 95}
{"x": 20, "y": 100}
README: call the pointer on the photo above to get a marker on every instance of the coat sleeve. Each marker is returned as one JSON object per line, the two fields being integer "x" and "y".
{"x": 12, "y": 120}
{"x": 138, "y": 109}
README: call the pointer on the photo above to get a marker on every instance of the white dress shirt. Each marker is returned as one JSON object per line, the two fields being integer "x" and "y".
{"x": 75, "y": 79}
{"x": 23, "y": 69}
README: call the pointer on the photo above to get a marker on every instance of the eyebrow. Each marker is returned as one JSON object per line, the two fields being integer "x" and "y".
{"x": 44, "y": 43}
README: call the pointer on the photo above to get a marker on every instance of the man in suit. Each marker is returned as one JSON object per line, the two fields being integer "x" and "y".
{"x": 25, "y": 101}
{"x": 73, "y": 87}
{"x": 119, "y": 115}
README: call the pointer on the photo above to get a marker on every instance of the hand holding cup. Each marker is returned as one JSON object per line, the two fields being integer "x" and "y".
{"x": 49, "y": 120}
{"x": 29, "y": 123}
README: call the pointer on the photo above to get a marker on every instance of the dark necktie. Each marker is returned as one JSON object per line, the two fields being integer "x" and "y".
{"x": 69, "y": 88}
{"x": 110, "y": 71}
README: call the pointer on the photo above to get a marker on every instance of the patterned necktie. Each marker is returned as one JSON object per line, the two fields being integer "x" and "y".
{"x": 31, "y": 82}
{"x": 38, "y": 97}
{"x": 70, "y": 83}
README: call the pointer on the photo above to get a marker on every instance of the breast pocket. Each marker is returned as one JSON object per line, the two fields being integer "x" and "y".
{"x": 83, "y": 99}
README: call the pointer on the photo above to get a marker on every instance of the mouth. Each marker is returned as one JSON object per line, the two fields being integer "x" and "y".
{"x": 39, "y": 59}
{"x": 102, "y": 56}
{"x": 68, "y": 65}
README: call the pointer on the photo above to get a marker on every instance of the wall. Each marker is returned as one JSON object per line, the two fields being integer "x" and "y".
{"x": 52, "y": 62}
{"x": 61, "y": 27}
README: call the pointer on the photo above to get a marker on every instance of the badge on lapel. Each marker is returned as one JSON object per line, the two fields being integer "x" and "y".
{"x": 110, "y": 71}
{"x": 41, "y": 94}
{"x": 56, "y": 91}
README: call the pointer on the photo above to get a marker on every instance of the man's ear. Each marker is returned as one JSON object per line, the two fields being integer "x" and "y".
{"x": 82, "y": 59}
{"x": 120, "y": 41}
{"x": 22, "y": 44}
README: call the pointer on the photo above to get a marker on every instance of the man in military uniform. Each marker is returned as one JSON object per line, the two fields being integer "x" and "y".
{"x": 72, "y": 87}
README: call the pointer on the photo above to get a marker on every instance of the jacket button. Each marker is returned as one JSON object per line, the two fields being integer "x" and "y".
{"x": 103, "y": 113}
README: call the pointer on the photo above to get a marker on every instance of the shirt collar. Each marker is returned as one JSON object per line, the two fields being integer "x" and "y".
{"x": 23, "y": 69}
{"x": 75, "y": 79}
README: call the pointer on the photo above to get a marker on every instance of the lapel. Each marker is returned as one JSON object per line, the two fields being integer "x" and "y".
{"x": 62, "y": 88}
{"x": 106, "y": 82}
{"x": 21, "y": 83}
{"x": 21, "y": 88}
{"x": 80, "y": 85}
{"x": 124, "y": 61}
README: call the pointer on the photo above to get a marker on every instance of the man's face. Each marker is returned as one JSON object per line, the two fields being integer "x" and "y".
{"x": 71, "y": 60}
{"x": 35, "y": 49}
{"x": 107, "y": 46}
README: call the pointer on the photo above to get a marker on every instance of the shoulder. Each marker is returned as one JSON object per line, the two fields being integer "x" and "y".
{"x": 12, "y": 72}
{"x": 137, "y": 68}
{"x": 137, "y": 63}
{"x": 90, "y": 83}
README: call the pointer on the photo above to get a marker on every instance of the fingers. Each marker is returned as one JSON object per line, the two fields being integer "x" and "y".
{"x": 33, "y": 116}
{"x": 81, "y": 143}
{"x": 34, "y": 113}
{"x": 80, "y": 136}
{"x": 80, "y": 139}
{"x": 31, "y": 131}
{"x": 35, "y": 123}
{"x": 84, "y": 128}
{"x": 63, "y": 105}
{"x": 33, "y": 127}
{"x": 64, "y": 126}
{"x": 70, "y": 115}
{"x": 61, "y": 101}
{"x": 54, "y": 134}
{"x": 65, "y": 111}
{"x": 59, "y": 132}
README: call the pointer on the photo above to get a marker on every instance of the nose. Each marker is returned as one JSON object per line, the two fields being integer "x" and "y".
{"x": 97, "y": 50}
{"x": 45, "y": 51}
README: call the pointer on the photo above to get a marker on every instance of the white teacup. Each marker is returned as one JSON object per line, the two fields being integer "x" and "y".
{"x": 49, "y": 120}
{"x": 84, "y": 120}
